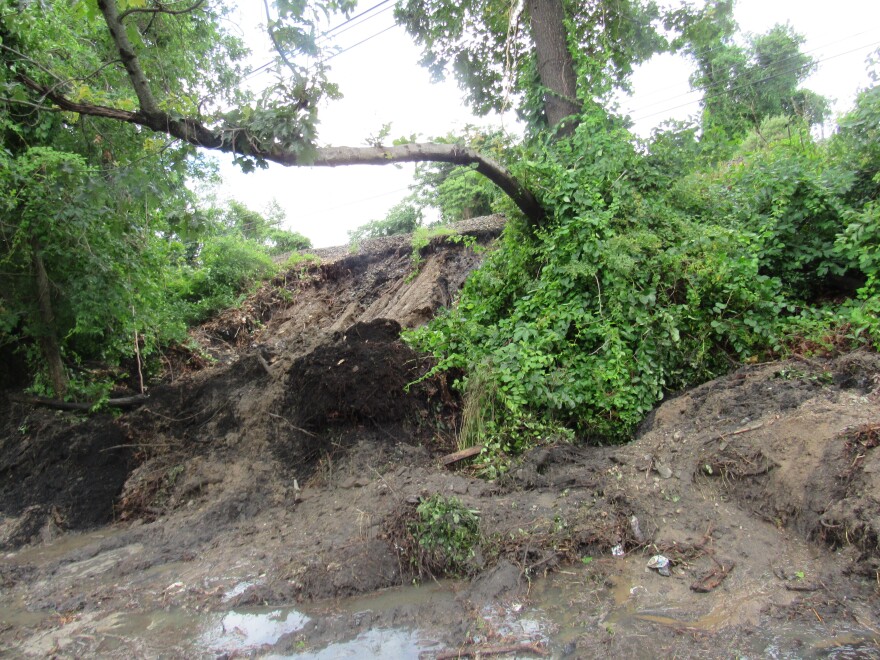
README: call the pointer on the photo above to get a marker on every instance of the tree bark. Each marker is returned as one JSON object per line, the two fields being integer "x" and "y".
{"x": 48, "y": 341}
{"x": 555, "y": 62}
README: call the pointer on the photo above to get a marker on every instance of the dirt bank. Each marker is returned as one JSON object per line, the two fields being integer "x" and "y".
{"x": 283, "y": 476}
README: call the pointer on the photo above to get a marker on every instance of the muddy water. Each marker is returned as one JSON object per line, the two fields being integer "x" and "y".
{"x": 611, "y": 606}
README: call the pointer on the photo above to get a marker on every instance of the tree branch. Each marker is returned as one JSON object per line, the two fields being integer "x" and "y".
{"x": 60, "y": 404}
{"x": 278, "y": 48}
{"x": 129, "y": 57}
{"x": 196, "y": 133}
{"x": 160, "y": 10}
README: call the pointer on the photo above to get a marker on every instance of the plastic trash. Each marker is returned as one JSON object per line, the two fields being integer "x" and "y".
{"x": 617, "y": 550}
{"x": 660, "y": 564}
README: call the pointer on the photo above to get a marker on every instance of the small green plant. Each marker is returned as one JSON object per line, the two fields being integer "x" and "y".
{"x": 421, "y": 238}
{"x": 504, "y": 442}
{"x": 446, "y": 534}
{"x": 302, "y": 260}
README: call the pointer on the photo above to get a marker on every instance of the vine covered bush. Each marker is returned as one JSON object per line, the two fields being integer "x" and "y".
{"x": 659, "y": 268}
{"x": 619, "y": 298}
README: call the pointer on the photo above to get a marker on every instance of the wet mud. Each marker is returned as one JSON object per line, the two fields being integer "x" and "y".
{"x": 251, "y": 507}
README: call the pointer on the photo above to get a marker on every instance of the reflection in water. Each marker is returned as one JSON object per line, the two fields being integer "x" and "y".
{"x": 560, "y": 612}
{"x": 379, "y": 643}
{"x": 238, "y": 631}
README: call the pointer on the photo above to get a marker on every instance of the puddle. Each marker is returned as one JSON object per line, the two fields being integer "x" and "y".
{"x": 379, "y": 643}
{"x": 644, "y": 613}
{"x": 60, "y": 547}
{"x": 247, "y": 630}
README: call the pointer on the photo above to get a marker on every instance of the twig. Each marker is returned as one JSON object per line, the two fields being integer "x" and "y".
{"x": 182, "y": 419}
{"x": 265, "y": 365}
{"x": 159, "y": 10}
{"x": 137, "y": 352}
{"x": 713, "y": 579}
{"x": 449, "y": 459}
{"x": 747, "y": 429}
{"x": 139, "y": 446}
{"x": 294, "y": 427}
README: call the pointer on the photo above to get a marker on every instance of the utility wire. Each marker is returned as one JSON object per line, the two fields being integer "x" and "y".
{"x": 362, "y": 41}
{"x": 260, "y": 69}
{"x": 321, "y": 212}
{"x": 354, "y": 25}
{"x": 355, "y": 17}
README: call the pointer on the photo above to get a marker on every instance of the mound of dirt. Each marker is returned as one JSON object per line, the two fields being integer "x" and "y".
{"x": 793, "y": 443}
{"x": 359, "y": 377}
{"x": 60, "y": 476}
{"x": 299, "y": 368}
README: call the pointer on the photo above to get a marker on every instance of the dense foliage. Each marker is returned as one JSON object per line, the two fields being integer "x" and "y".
{"x": 656, "y": 264}
{"x": 663, "y": 265}
{"x": 487, "y": 46}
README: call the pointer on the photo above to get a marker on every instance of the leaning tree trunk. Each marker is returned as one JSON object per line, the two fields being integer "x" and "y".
{"x": 555, "y": 62}
{"x": 191, "y": 130}
{"x": 48, "y": 341}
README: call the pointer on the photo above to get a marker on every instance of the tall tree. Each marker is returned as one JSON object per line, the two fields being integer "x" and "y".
{"x": 744, "y": 84}
{"x": 544, "y": 57}
{"x": 82, "y": 204}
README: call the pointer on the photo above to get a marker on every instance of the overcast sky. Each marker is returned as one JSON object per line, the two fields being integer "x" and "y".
{"x": 382, "y": 82}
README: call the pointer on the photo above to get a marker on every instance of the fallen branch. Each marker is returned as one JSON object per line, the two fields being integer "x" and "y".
{"x": 449, "y": 459}
{"x": 747, "y": 429}
{"x": 194, "y": 132}
{"x": 479, "y": 651}
{"x": 58, "y": 404}
{"x": 713, "y": 579}
{"x": 292, "y": 425}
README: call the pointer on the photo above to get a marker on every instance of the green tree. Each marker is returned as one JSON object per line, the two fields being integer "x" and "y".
{"x": 83, "y": 276}
{"x": 86, "y": 205}
{"x": 403, "y": 218}
{"x": 265, "y": 230}
{"x": 176, "y": 72}
{"x": 546, "y": 56}
{"x": 744, "y": 85}
{"x": 618, "y": 299}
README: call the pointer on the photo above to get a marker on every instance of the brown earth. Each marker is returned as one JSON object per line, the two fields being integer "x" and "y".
{"x": 285, "y": 473}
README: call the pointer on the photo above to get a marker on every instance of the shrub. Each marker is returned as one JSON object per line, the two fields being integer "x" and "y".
{"x": 445, "y": 535}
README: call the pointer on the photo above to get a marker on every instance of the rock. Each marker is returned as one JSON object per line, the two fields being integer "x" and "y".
{"x": 664, "y": 471}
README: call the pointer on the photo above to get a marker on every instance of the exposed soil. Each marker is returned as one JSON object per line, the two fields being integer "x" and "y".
{"x": 284, "y": 474}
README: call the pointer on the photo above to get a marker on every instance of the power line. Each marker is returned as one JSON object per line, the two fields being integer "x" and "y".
{"x": 328, "y": 35}
{"x": 362, "y": 41}
{"x": 358, "y": 201}
{"x": 355, "y": 17}
{"x": 260, "y": 69}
